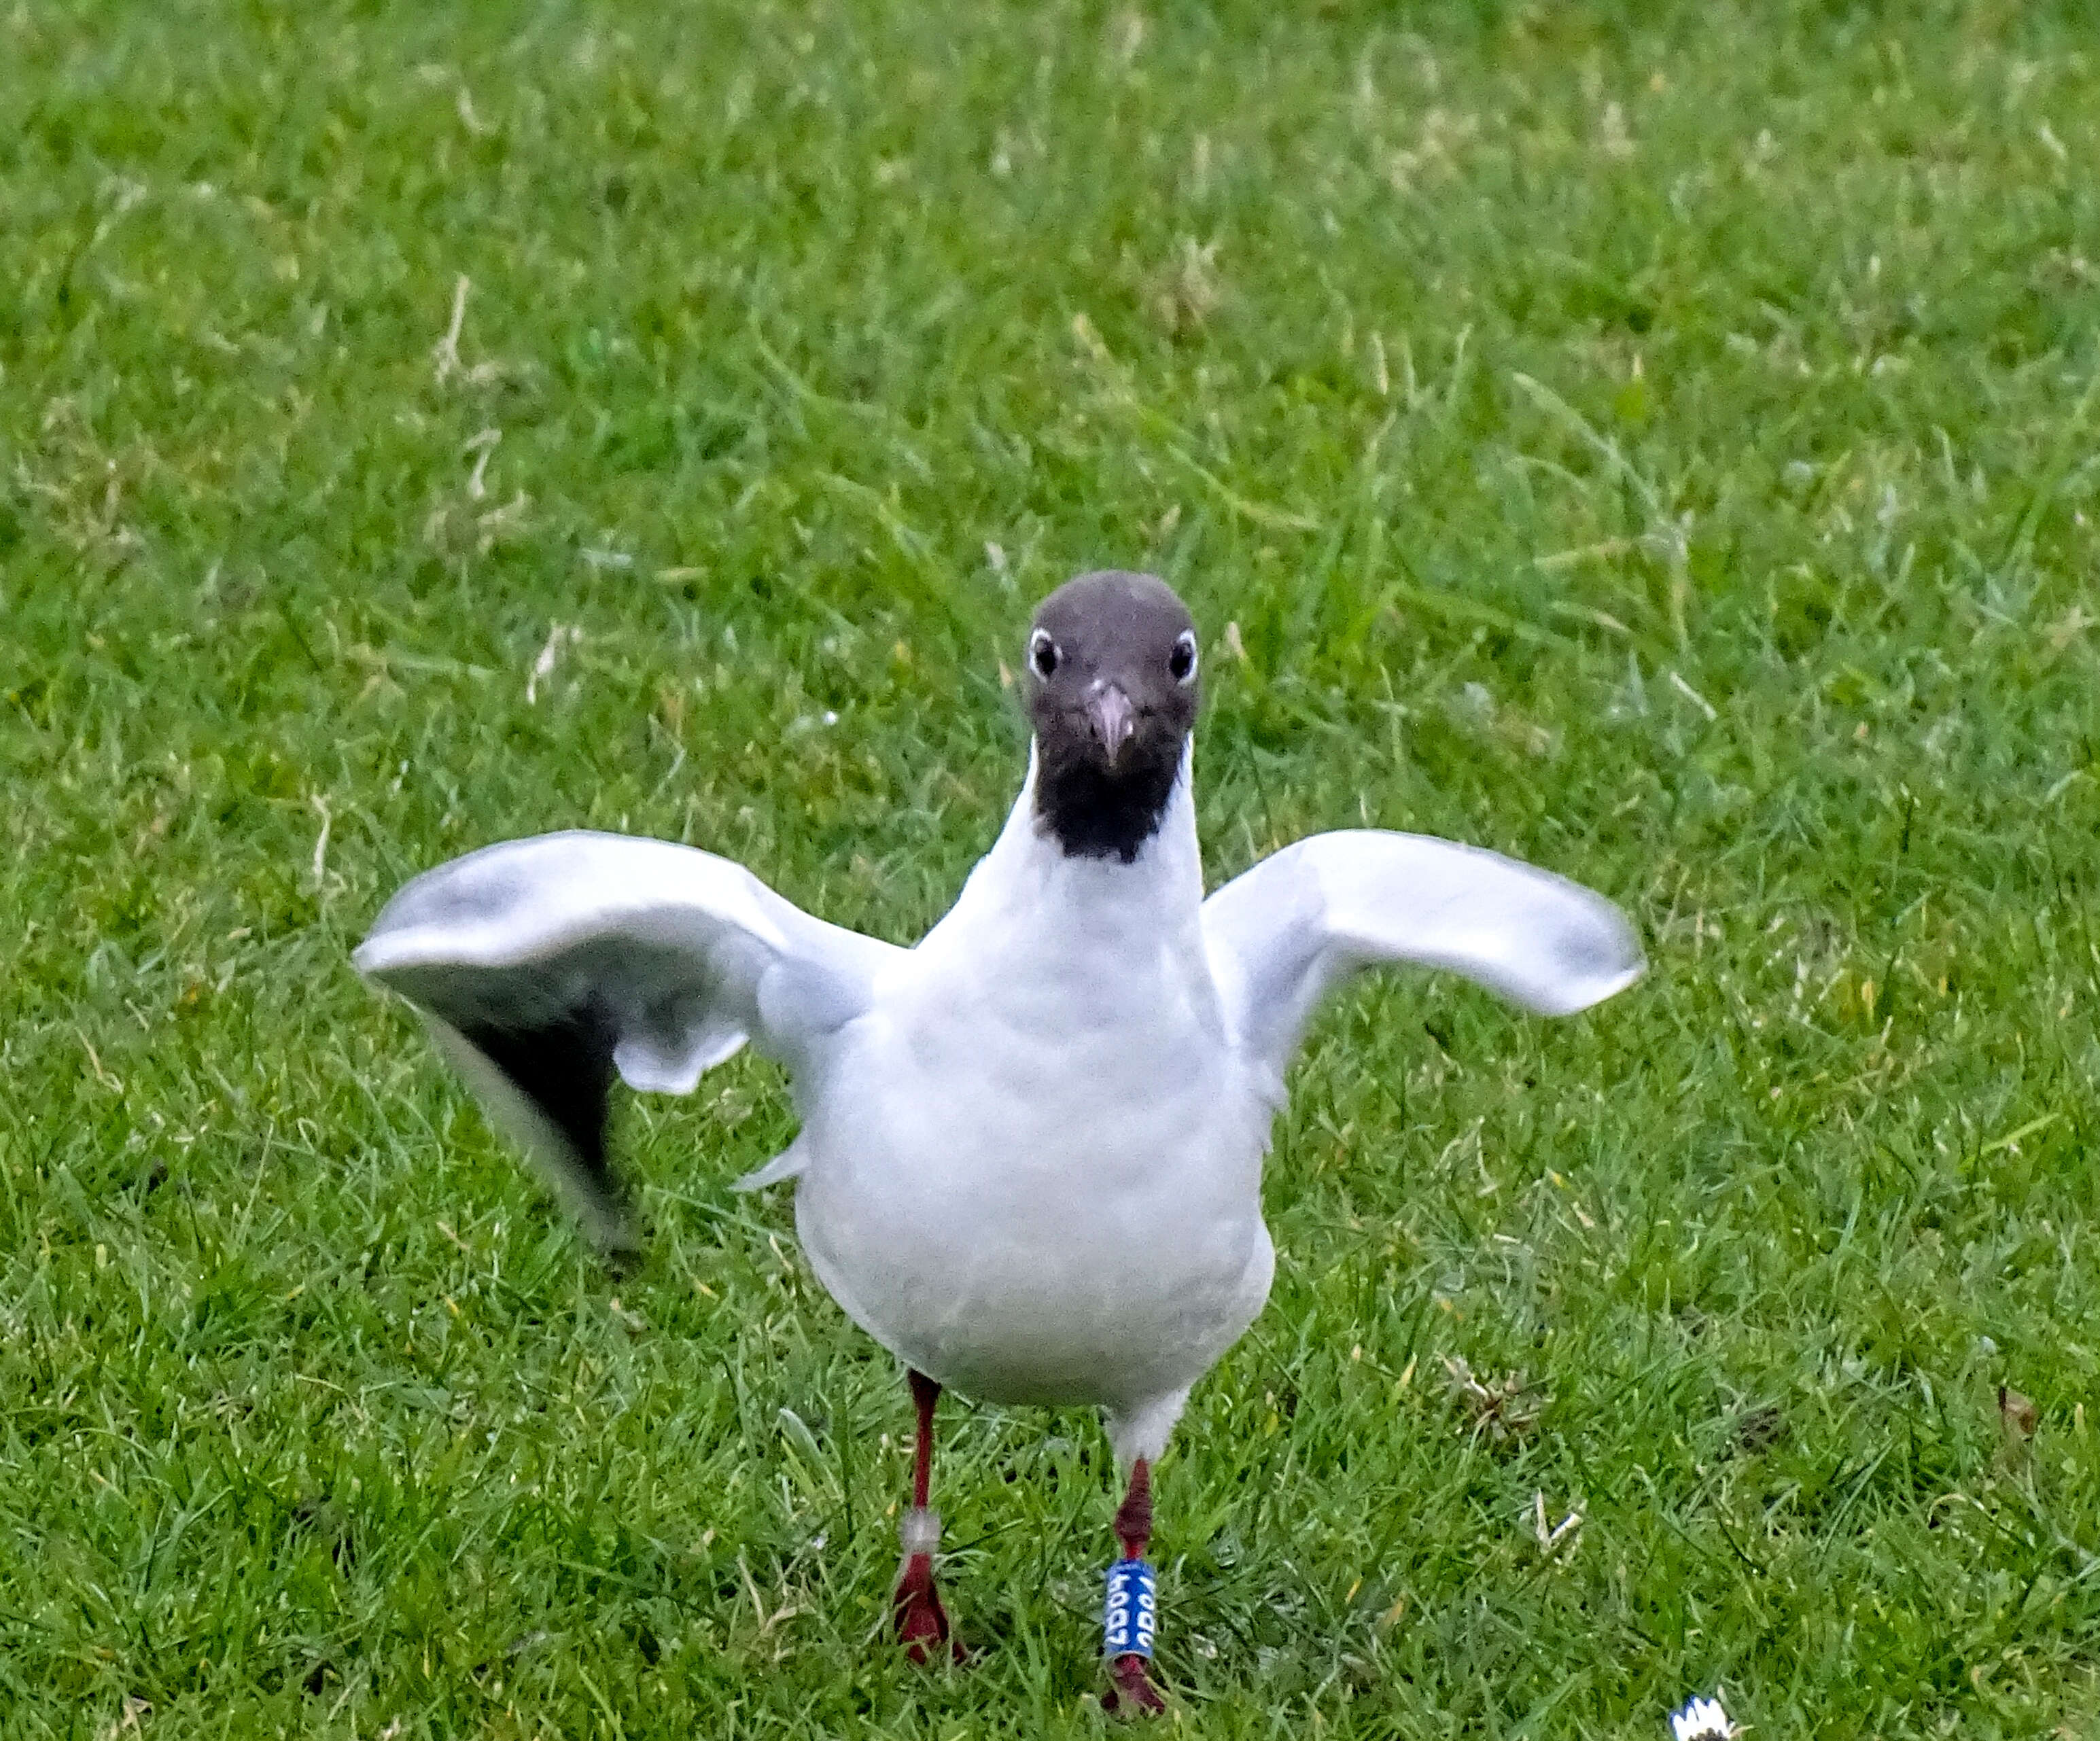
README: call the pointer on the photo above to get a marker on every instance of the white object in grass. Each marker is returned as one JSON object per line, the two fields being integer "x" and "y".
{"x": 1702, "y": 1720}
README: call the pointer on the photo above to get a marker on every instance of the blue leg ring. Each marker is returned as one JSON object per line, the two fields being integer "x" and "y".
{"x": 1132, "y": 1613}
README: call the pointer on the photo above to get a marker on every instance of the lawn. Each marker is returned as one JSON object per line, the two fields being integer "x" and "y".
{"x": 1662, "y": 442}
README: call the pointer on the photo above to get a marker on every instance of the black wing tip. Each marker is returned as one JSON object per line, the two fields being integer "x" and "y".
{"x": 562, "y": 1073}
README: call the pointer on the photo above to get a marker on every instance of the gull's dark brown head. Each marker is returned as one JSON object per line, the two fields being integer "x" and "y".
{"x": 1111, "y": 690}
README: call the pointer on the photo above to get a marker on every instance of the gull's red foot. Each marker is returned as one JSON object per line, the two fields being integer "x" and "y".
{"x": 921, "y": 1623}
{"x": 1130, "y": 1618}
{"x": 1130, "y": 1692}
{"x": 915, "y": 1610}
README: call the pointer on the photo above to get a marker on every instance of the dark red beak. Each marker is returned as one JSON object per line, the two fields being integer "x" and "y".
{"x": 1113, "y": 719}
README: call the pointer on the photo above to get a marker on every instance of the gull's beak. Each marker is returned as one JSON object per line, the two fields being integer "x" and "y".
{"x": 1113, "y": 719}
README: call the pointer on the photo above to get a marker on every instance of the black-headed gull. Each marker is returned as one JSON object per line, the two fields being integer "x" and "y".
{"x": 1030, "y": 1163}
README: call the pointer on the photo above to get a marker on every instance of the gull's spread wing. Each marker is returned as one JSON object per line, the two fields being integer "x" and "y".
{"x": 545, "y": 966}
{"x": 1303, "y": 919}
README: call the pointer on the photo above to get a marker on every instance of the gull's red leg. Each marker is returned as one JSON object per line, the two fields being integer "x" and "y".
{"x": 1130, "y": 1614}
{"x": 915, "y": 1610}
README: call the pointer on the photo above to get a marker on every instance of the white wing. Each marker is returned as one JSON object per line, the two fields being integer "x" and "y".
{"x": 543, "y": 966}
{"x": 1303, "y": 919}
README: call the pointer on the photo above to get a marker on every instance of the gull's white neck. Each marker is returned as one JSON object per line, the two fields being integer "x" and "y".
{"x": 1027, "y": 866}
{"x": 1091, "y": 958}
{"x": 1030, "y": 909}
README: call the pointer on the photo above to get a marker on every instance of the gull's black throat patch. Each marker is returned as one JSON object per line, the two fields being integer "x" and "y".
{"x": 1112, "y": 693}
{"x": 1093, "y": 813}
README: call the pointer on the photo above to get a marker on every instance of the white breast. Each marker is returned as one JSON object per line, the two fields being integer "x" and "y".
{"x": 1035, "y": 1169}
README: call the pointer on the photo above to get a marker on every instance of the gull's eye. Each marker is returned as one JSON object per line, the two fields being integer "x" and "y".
{"x": 1043, "y": 653}
{"x": 1181, "y": 662}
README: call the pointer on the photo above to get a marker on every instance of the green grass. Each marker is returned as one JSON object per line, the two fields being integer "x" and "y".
{"x": 1664, "y": 449}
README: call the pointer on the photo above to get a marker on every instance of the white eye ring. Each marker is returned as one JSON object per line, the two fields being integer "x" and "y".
{"x": 1186, "y": 644}
{"x": 1043, "y": 653}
